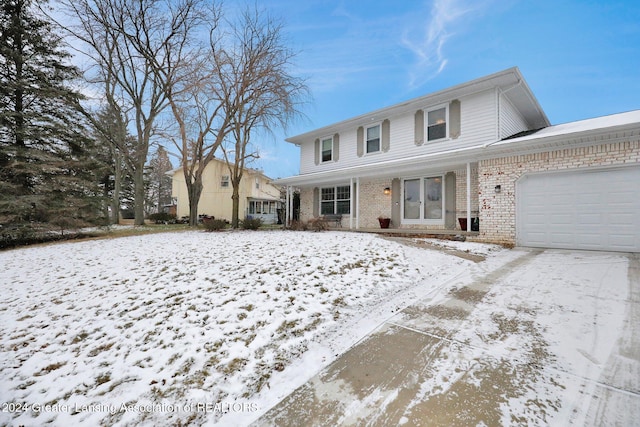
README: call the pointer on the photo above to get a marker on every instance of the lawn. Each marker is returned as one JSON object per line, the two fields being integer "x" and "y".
{"x": 192, "y": 327}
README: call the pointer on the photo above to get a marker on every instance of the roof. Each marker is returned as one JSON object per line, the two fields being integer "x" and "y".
{"x": 510, "y": 80}
{"x": 216, "y": 159}
{"x": 629, "y": 119}
{"x": 607, "y": 129}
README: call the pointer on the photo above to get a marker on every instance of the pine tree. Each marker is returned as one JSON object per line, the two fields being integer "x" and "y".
{"x": 46, "y": 176}
{"x": 159, "y": 183}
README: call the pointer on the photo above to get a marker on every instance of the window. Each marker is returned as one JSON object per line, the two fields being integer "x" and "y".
{"x": 437, "y": 124}
{"x": 327, "y": 149}
{"x": 335, "y": 200}
{"x": 257, "y": 183}
{"x": 224, "y": 181}
{"x": 373, "y": 139}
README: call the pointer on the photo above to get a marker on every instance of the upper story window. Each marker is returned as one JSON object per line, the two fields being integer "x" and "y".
{"x": 224, "y": 181}
{"x": 437, "y": 124}
{"x": 373, "y": 139}
{"x": 326, "y": 149}
{"x": 257, "y": 183}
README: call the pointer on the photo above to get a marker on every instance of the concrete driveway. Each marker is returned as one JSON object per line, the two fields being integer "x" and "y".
{"x": 541, "y": 337}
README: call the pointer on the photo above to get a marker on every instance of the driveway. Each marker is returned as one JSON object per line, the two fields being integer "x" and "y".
{"x": 540, "y": 337}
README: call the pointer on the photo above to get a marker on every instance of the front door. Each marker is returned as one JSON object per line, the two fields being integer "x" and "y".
{"x": 423, "y": 200}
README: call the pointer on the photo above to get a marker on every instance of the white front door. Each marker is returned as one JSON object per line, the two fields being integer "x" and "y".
{"x": 423, "y": 200}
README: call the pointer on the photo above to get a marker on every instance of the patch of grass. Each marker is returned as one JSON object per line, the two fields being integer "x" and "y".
{"x": 235, "y": 365}
{"x": 49, "y": 368}
{"x": 103, "y": 378}
{"x": 287, "y": 326}
{"x": 100, "y": 349}
{"x": 185, "y": 367}
{"x": 80, "y": 337}
{"x": 339, "y": 301}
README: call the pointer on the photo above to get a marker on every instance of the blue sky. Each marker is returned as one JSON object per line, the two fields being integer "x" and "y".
{"x": 580, "y": 58}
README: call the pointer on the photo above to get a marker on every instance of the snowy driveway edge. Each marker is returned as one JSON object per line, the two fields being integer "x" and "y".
{"x": 554, "y": 341}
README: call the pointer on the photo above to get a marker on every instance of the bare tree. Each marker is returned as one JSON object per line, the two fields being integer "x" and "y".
{"x": 138, "y": 46}
{"x": 262, "y": 92}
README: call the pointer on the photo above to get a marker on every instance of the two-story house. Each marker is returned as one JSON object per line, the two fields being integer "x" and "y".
{"x": 483, "y": 149}
{"x": 259, "y": 198}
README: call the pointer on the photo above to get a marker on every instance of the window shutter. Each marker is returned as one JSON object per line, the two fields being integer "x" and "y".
{"x": 316, "y": 202}
{"x": 360, "y": 146}
{"x": 454, "y": 119}
{"x": 386, "y": 143}
{"x": 336, "y": 147}
{"x": 316, "y": 150}
{"x": 419, "y": 127}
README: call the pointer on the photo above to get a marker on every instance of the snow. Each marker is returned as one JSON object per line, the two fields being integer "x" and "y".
{"x": 183, "y": 326}
{"x": 588, "y": 125}
{"x": 217, "y": 328}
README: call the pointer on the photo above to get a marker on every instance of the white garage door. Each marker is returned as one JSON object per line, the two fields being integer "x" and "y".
{"x": 589, "y": 209}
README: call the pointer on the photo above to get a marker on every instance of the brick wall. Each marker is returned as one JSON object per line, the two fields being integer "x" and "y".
{"x": 374, "y": 203}
{"x": 461, "y": 193}
{"x": 498, "y": 211}
{"x": 306, "y": 204}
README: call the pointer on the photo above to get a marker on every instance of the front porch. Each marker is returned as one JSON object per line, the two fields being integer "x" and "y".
{"x": 415, "y": 232}
{"x": 426, "y": 201}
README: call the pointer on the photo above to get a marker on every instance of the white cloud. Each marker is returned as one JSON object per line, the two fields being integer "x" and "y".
{"x": 426, "y": 40}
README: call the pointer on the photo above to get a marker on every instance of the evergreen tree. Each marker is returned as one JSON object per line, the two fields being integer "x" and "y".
{"x": 46, "y": 173}
{"x": 159, "y": 183}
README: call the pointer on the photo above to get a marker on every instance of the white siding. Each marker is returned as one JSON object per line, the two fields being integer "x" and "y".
{"x": 511, "y": 121}
{"x": 478, "y": 125}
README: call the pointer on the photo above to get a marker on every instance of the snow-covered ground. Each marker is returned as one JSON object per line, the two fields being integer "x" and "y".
{"x": 192, "y": 327}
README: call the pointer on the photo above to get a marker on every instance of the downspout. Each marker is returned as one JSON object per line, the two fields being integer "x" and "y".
{"x": 499, "y": 93}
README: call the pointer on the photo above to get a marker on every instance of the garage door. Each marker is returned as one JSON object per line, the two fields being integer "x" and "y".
{"x": 592, "y": 209}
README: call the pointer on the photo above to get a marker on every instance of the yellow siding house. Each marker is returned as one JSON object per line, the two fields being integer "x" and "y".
{"x": 258, "y": 197}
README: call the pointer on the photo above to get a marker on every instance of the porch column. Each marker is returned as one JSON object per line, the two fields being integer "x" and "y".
{"x": 289, "y": 205}
{"x": 468, "y": 196}
{"x": 357, "y": 203}
{"x": 351, "y": 204}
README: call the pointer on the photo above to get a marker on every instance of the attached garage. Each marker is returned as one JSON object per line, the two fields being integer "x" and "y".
{"x": 593, "y": 209}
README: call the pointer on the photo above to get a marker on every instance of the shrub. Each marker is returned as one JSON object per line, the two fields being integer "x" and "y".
{"x": 212, "y": 224}
{"x": 298, "y": 226}
{"x": 162, "y": 217}
{"x": 251, "y": 223}
{"x": 317, "y": 224}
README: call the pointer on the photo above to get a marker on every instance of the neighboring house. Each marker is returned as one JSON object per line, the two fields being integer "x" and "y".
{"x": 483, "y": 149}
{"x": 258, "y": 197}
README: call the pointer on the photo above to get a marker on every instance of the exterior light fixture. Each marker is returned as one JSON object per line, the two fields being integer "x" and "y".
{"x": 387, "y": 191}
{"x": 497, "y": 189}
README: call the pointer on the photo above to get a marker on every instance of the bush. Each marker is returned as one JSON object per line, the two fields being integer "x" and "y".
{"x": 162, "y": 217}
{"x": 212, "y": 224}
{"x": 251, "y": 223}
{"x": 317, "y": 224}
{"x": 298, "y": 226}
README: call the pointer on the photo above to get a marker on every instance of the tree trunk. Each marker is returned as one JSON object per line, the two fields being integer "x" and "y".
{"x": 117, "y": 185}
{"x": 194, "y": 190}
{"x": 235, "y": 210}
{"x": 138, "y": 184}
